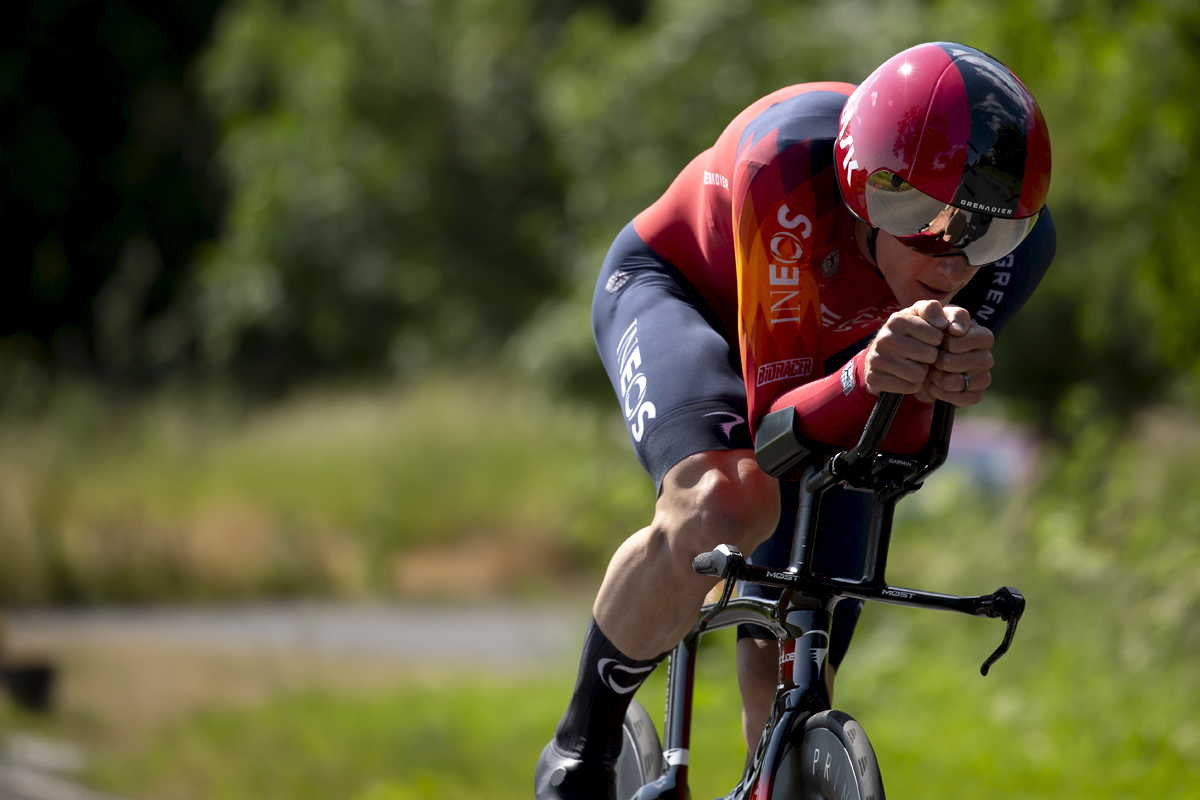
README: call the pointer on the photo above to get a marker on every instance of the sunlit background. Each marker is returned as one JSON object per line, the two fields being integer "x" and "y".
{"x": 308, "y": 468}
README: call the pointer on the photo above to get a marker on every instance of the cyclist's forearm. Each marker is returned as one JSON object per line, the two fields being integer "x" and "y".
{"x": 833, "y": 410}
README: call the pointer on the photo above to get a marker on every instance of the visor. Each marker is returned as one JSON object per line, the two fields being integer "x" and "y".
{"x": 927, "y": 224}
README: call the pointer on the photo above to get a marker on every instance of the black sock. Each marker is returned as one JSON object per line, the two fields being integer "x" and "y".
{"x": 607, "y": 680}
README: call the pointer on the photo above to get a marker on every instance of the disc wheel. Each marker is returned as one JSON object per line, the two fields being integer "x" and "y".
{"x": 641, "y": 759}
{"x": 833, "y": 761}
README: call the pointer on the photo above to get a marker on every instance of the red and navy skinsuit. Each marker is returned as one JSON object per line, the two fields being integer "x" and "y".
{"x": 742, "y": 290}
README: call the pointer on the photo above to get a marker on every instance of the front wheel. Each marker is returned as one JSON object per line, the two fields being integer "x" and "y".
{"x": 833, "y": 760}
{"x": 641, "y": 759}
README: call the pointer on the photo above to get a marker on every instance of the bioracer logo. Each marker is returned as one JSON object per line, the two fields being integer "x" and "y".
{"x": 781, "y": 370}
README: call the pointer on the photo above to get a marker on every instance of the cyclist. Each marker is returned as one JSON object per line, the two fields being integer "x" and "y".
{"x": 807, "y": 259}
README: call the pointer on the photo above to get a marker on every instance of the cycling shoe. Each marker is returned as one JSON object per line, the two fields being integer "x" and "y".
{"x": 560, "y": 777}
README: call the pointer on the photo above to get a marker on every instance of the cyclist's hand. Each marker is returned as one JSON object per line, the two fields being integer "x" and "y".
{"x": 905, "y": 349}
{"x": 966, "y": 349}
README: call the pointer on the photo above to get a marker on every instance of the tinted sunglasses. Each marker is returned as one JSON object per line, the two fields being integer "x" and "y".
{"x": 930, "y": 226}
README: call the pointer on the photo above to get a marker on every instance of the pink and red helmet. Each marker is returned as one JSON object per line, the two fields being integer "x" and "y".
{"x": 945, "y": 149}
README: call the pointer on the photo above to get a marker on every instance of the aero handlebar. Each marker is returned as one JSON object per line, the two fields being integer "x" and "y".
{"x": 783, "y": 452}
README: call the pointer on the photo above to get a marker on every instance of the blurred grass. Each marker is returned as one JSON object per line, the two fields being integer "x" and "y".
{"x": 466, "y": 740}
{"x": 460, "y": 735}
{"x": 338, "y": 493}
{"x": 1062, "y": 715}
{"x": 1099, "y": 697}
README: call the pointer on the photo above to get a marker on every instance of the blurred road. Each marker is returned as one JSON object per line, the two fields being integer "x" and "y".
{"x": 31, "y": 768}
{"x": 18, "y": 782}
{"x": 505, "y": 636}
{"x": 138, "y": 664}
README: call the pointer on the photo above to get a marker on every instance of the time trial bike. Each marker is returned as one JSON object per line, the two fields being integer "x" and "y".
{"x": 807, "y": 751}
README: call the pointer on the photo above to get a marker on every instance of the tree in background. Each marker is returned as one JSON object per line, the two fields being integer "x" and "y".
{"x": 105, "y": 190}
{"x": 413, "y": 182}
{"x": 391, "y": 190}
{"x": 388, "y": 190}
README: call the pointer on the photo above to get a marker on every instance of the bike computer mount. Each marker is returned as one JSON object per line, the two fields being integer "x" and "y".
{"x": 783, "y": 452}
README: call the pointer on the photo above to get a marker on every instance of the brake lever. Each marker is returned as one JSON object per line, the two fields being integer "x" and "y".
{"x": 725, "y": 561}
{"x": 1008, "y": 604}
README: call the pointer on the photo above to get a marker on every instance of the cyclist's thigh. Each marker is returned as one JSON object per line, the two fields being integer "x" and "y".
{"x": 676, "y": 376}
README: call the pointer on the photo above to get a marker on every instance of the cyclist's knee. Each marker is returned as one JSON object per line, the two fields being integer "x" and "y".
{"x": 717, "y": 497}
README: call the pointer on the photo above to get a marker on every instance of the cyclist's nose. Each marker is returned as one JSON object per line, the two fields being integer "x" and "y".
{"x": 955, "y": 269}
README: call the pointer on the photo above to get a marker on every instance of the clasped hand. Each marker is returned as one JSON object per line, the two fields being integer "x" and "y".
{"x": 933, "y": 351}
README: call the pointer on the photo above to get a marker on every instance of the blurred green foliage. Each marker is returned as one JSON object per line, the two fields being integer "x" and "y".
{"x": 331, "y": 493}
{"x": 406, "y": 183}
{"x": 1097, "y": 697}
{"x": 431, "y": 738}
{"x": 390, "y": 194}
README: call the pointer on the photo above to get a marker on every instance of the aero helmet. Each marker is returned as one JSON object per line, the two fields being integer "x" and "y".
{"x": 945, "y": 149}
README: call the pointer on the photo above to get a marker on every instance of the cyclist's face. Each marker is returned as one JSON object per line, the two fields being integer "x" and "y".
{"x": 914, "y": 276}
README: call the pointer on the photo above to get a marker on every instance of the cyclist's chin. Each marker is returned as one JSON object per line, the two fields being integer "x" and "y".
{"x": 915, "y": 291}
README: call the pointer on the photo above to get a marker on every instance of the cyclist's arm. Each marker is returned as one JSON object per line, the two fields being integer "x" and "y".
{"x": 834, "y": 410}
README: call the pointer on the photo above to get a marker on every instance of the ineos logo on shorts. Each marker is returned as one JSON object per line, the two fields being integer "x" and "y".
{"x": 638, "y": 410}
{"x": 620, "y": 678}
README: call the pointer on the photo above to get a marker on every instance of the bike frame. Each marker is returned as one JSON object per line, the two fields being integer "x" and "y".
{"x": 802, "y": 618}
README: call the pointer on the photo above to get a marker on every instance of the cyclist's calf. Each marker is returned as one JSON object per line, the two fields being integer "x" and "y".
{"x": 651, "y": 594}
